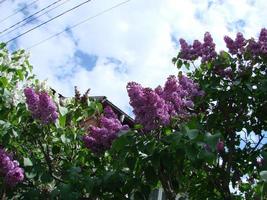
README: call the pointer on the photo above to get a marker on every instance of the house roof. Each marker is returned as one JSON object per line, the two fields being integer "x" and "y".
{"x": 126, "y": 118}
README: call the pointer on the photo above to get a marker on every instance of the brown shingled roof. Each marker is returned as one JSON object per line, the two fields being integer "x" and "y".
{"x": 126, "y": 118}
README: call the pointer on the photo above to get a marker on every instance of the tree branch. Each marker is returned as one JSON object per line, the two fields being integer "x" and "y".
{"x": 49, "y": 162}
{"x": 166, "y": 184}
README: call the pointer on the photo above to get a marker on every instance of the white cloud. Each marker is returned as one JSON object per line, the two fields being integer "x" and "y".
{"x": 137, "y": 33}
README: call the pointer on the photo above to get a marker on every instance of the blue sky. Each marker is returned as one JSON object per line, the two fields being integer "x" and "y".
{"x": 134, "y": 42}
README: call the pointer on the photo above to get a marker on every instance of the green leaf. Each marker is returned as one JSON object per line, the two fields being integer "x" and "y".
{"x": 4, "y": 81}
{"x": 2, "y": 45}
{"x": 56, "y": 149}
{"x": 64, "y": 139}
{"x": 187, "y": 65}
{"x": 27, "y": 162}
{"x": 99, "y": 107}
{"x": 120, "y": 143}
{"x": 167, "y": 131}
{"x": 62, "y": 120}
{"x": 191, "y": 152}
{"x": 138, "y": 126}
{"x": 179, "y": 64}
{"x": 31, "y": 174}
{"x": 63, "y": 110}
{"x": 212, "y": 140}
{"x": 46, "y": 178}
{"x": 263, "y": 175}
{"x": 207, "y": 156}
{"x": 20, "y": 74}
{"x": 15, "y": 133}
{"x": 192, "y": 133}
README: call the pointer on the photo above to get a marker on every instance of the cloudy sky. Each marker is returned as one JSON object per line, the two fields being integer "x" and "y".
{"x": 135, "y": 41}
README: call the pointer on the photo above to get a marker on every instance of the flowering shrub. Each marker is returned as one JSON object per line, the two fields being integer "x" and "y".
{"x": 10, "y": 169}
{"x": 100, "y": 138}
{"x": 205, "y": 50}
{"x": 231, "y": 112}
{"x": 206, "y": 131}
{"x": 155, "y": 108}
{"x": 41, "y": 106}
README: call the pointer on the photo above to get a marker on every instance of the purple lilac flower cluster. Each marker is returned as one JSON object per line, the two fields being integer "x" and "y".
{"x": 255, "y": 47}
{"x": 208, "y": 48}
{"x": 261, "y": 45}
{"x": 205, "y": 50}
{"x": 10, "y": 169}
{"x": 220, "y": 146}
{"x": 235, "y": 46}
{"x": 149, "y": 108}
{"x": 155, "y": 108}
{"x": 226, "y": 72}
{"x": 41, "y": 106}
{"x": 100, "y": 138}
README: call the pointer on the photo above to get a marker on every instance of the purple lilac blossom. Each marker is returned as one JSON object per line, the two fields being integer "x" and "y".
{"x": 260, "y": 161}
{"x": 32, "y": 100}
{"x": 240, "y": 42}
{"x": 149, "y": 108}
{"x": 263, "y": 40}
{"x": 208, "y": 48}
{"x": 227, "y": 72}
{"x": 9, "y": 168}
{"x": 190, "y": 52}
{"x": 207, "y": 147}
{"x": 237, "y": 45}
{"x": 253, "y": 47}
{"x": 205, "y": 50}
{"x": 224, "y": 73}
{"x": 155, "y": 108}
{"x": 186, "y": 50}
{"x": 41, "y": 106}
{"x": 100, "y": 138}
{"x": 220, "y": 146}
{"x": 197, "y": 48}
{"x": 260, "y": 46}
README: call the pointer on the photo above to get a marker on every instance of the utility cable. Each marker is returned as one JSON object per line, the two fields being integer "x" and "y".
{"x": 79, "y": 23}
{"x": 30, "y": 20}
{"x": 18, "y": 10}
{"x": 53, "y": 18}
{"x": 55, "y": 2}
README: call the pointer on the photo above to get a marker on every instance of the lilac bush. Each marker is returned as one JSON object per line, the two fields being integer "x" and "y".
{"x": 41, "y": 106}
{"x": 155, "y": 108}
{"x": 237, "y": 45}
{"x": 149, "y": 108}
{"x": 240, "y": 44}
{"x": 9, "y": 169}
{"x": 220, "y": 146}
{"x": 206, "y": 50}
{"x": 100, "y": 138}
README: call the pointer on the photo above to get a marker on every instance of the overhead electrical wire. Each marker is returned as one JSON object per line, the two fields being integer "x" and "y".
{"x": 79, "y": 23}
{"x": 30, "y": 20}
{"x": 51, "y": 19}
{"x": 18, "y": 10}
{"x": 55, "y": 2}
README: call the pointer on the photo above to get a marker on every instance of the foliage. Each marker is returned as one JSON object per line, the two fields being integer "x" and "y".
{"x": 192, "y": 137}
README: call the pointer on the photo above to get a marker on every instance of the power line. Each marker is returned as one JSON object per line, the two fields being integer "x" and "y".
{"x": 55, "y": 2}
{"x": 18, "y": 10}
{"x": 30, "y": 20}
{"x": 78, "y": 24}
{"x": 53, "y": 18}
